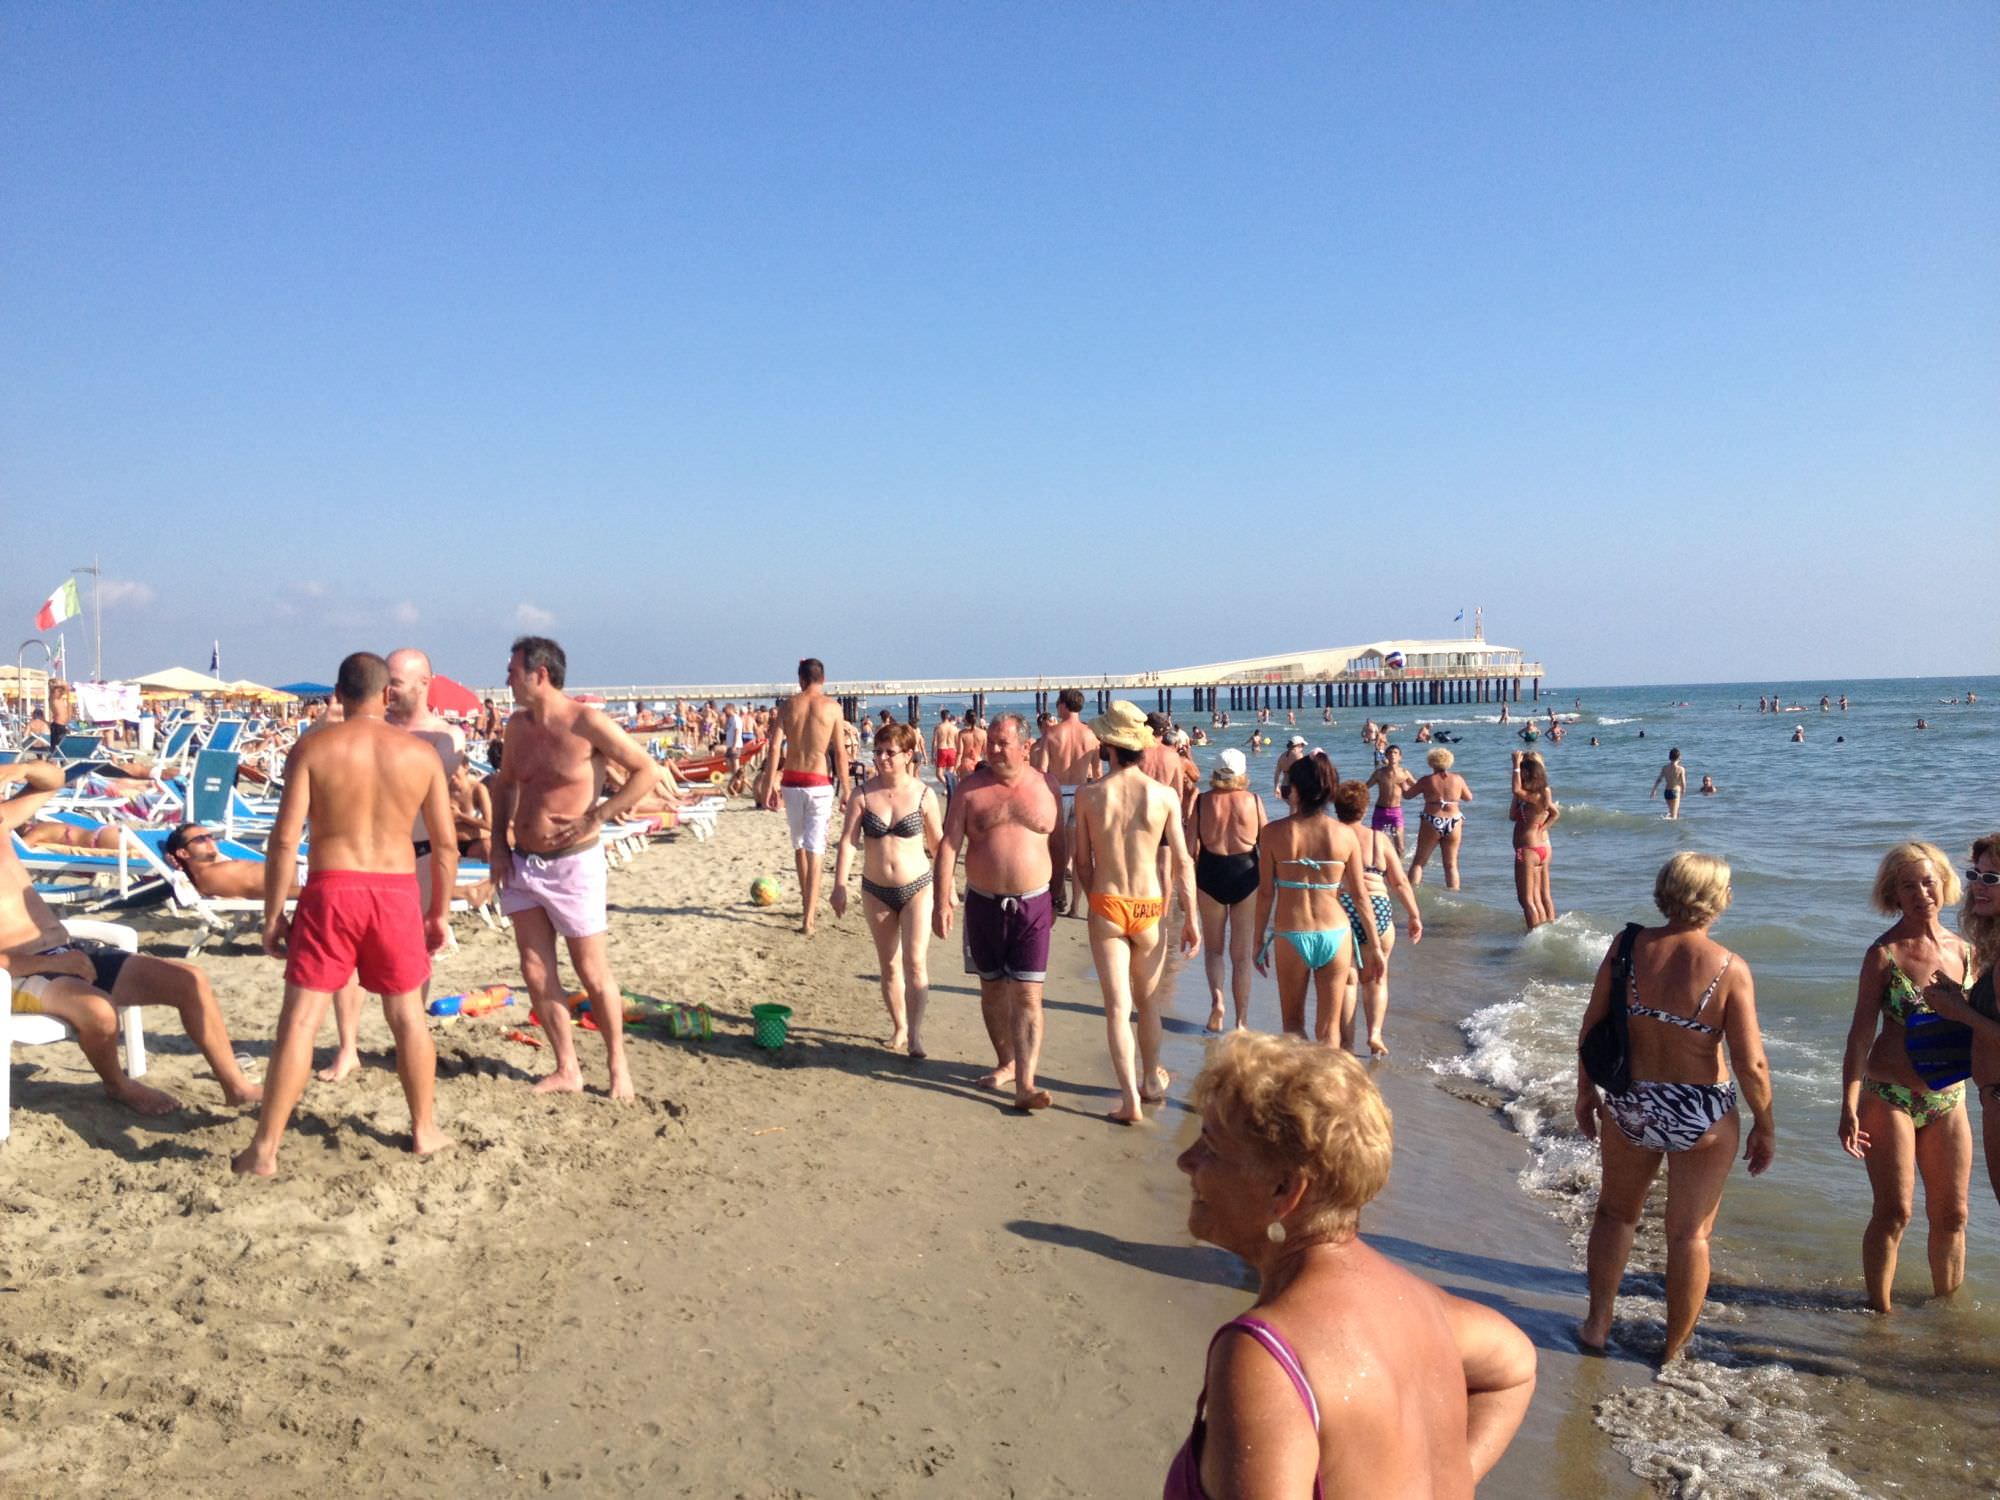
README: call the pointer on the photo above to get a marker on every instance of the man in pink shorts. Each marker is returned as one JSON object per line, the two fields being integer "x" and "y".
{"x": 548, "y": 858}
{"x": 360, "y": 783}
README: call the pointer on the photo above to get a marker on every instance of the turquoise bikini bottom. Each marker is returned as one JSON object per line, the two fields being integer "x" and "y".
{"x": 1315, "y": 949}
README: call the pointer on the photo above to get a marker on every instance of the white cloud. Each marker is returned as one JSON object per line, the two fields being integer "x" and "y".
{"x": 404, "y": 613}
{"x": 312, "y": 588}
{"x": 532, "y": 617}
{"x": 118, "y": 592}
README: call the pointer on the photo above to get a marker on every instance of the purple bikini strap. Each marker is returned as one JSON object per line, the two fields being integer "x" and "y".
{"x": 1274, "y": 1343}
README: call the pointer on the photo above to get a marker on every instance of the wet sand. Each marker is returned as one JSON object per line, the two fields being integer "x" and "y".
{"x": 822, "y": 1271}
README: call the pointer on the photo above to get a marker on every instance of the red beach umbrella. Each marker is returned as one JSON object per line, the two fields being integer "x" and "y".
{"x": 448, "y": 697}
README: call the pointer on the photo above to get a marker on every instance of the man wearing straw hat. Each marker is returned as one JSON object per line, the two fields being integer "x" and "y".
{"x": 1122, "y": 824}
{"x": 1007, "y": 817}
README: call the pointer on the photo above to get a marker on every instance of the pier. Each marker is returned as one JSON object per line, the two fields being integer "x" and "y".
{"x": 1382, "y": 674}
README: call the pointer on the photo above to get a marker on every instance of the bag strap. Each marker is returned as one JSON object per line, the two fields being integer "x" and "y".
{"x": 1621, "y": 965}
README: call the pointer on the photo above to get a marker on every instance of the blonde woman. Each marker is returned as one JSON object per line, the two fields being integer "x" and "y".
{"x": 1228, "y": 817}
{"x": 1349, "y": 1375}
{"x": 895, "y": 815}
{"x": 1443, "y": 819}
{"x": 1686, "y": 996}
{"x": 1903, "y": 1078}
{"x": 1534, "y": 812}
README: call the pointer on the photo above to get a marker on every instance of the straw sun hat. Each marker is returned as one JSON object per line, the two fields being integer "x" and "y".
{"x": 1123, "y": 728}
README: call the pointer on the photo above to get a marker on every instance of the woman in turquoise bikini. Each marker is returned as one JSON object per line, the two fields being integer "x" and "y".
{"x": 1904, "y": 1076}
{"x": 1303, "y": 862}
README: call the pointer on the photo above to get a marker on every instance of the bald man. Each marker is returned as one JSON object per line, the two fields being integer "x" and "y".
{"x": 409, "y": 708}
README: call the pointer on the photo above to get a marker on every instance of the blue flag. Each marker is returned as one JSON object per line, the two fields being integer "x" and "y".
{"x": 1457, "y": 617}
{"x": 215, "y": 659}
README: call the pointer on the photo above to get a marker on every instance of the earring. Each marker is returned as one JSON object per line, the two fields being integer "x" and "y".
{"x": 1275, "y": 1231}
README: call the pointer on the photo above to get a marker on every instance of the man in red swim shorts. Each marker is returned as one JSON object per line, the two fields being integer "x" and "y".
{"x": 361, "y": 783}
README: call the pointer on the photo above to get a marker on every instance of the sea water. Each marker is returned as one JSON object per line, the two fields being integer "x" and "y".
{"x": 1795, "y": 1388}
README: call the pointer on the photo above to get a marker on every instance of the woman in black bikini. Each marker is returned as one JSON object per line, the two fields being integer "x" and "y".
{"x": 1974, "y": 1004}
{"x": 1227, "y": 819}
{"x": 897, "y": 815}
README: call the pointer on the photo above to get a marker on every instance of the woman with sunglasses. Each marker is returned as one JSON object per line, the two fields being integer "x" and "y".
{"x": 1979, "y": 927}
{"x": 1903, "y": 1079}
{"x": 894, "y": 815}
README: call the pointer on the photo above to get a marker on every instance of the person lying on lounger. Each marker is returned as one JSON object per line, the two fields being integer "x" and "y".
{"x": 82, "y": 983}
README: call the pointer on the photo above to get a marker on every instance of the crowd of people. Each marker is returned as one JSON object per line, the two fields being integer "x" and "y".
{"x": 1105, "y": 820}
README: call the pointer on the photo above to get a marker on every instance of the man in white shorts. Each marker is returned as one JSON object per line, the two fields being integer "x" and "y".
{"x": 548, "y": 857}
{"x": 805, "y": 739}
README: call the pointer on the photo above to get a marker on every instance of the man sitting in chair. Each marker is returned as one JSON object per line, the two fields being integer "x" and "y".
{"x": 193, "y": 850}
{"x": 81, "y": 984}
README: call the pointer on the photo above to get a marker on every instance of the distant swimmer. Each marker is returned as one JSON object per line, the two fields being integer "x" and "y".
{"x": 1798, "y": 734}
{"x": 1920, "y": 723}
{"x": 1326, "y": 714}
{"x": 548, "y": 851}
{"x": 1424, "y": 733}
{"x": 1530, "y": 734}
{"x": 1123, "y": 821}
{"x": 1291, "y": 718}
{"x": 1504, "y": 715}
{"x": 1708, "y": 788}
{"x": 360, "y": 783}
{"x": 1007, "y": 817}
{"x": 1593, "y": 742}
{"x": 1843, "y": 703}
{"x": 1067, "y": 752}
{"x": 1443, "y": 819}
{"x": 1825, "y": 703}
{"x": 1674, "y": 778}
{"x": 810, "y": 754}
{"x": 1368, "y": 732}
{"x": 1391, "y": 783}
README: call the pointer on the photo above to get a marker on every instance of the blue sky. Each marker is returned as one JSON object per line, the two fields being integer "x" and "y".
{"x": 958, "y": 339}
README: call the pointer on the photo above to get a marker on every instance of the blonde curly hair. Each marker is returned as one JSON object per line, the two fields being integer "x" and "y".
{"x": 1900, "y": 858}
{"x": 1305, "y": 1108}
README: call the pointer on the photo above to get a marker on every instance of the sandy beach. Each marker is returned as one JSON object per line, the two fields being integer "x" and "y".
{"x": 821, "y": 1271}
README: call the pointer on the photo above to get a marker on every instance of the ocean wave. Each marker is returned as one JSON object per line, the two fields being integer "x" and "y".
{"x": 1577, "y": 816}
{"x": 1570, "y": 946}
{"x": 1615, "y": 719}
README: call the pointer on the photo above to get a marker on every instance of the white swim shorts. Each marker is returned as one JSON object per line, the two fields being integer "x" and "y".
{"x": 808, "y": 810}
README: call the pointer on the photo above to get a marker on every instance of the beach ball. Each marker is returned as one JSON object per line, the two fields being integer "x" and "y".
{"x": 1395, "y": 661}
{"x": 764, "y": 891}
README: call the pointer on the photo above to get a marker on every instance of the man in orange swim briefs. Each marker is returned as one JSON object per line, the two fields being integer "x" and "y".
{"x": 1122, "y": 823}
{"x": 361, "y": 784}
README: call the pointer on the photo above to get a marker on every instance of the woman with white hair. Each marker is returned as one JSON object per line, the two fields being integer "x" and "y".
{"x": 1227, "y": 819}
{"x": 1683, "y": 994}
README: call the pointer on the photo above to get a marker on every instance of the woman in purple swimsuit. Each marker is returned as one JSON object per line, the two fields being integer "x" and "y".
{"x": 1423, "y": 1390}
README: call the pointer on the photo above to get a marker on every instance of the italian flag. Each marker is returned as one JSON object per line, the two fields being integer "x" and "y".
{"x": 59, "y": 606}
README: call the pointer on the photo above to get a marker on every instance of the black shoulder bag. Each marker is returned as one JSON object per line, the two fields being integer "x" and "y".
{"x": 1606, "y": 1049}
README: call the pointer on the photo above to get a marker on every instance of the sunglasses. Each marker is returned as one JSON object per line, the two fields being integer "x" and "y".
{"x": 1983, "y": 877}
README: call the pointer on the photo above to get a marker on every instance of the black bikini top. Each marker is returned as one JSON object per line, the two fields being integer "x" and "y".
{"x": 909, "y": 826}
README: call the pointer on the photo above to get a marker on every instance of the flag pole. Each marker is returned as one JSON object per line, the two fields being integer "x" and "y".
{"x": 97, "y": 600}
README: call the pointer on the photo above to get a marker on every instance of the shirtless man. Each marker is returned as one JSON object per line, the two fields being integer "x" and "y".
{"x": 360, "y": 784}
{"x": 944, "y": 743}
{"x": 1392, "y": 783}
{"x": 971, "y": 745}
{"x": 1443, "y": 790}
{"x": 409, "y": 708}
{"x": 1294, "y": 748}
{"x": 84, "y": 984}
{"x": 1674, "y": 777}
{"x": 1122, "y": 823}
{"x": 1068, "y": 752}
{"x": 1008, "y": 818}
{"x": 548, "y": 858}
{"x": 809, "y": 732}
{"x": 1160, "y": 760}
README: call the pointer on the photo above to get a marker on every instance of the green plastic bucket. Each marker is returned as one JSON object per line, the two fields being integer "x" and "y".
{"x": 770, "y": 1023}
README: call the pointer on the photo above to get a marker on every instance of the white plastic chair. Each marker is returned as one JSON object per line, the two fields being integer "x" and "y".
{"x": 35, "y": 1031}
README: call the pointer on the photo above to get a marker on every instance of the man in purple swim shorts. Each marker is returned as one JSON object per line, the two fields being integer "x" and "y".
{"x": 1391, "y": 783}
{"x": 1007, "y": 816}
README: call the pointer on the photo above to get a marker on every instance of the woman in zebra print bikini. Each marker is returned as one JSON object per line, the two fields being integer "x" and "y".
{"x": 1686, "y": 995}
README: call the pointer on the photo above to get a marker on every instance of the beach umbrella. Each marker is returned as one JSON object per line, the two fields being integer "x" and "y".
{"x": 248, "y": 689}
{"x": 181, "y": 680}
{"x": 307, "y": 689}
{"x": 449, "y": 697}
